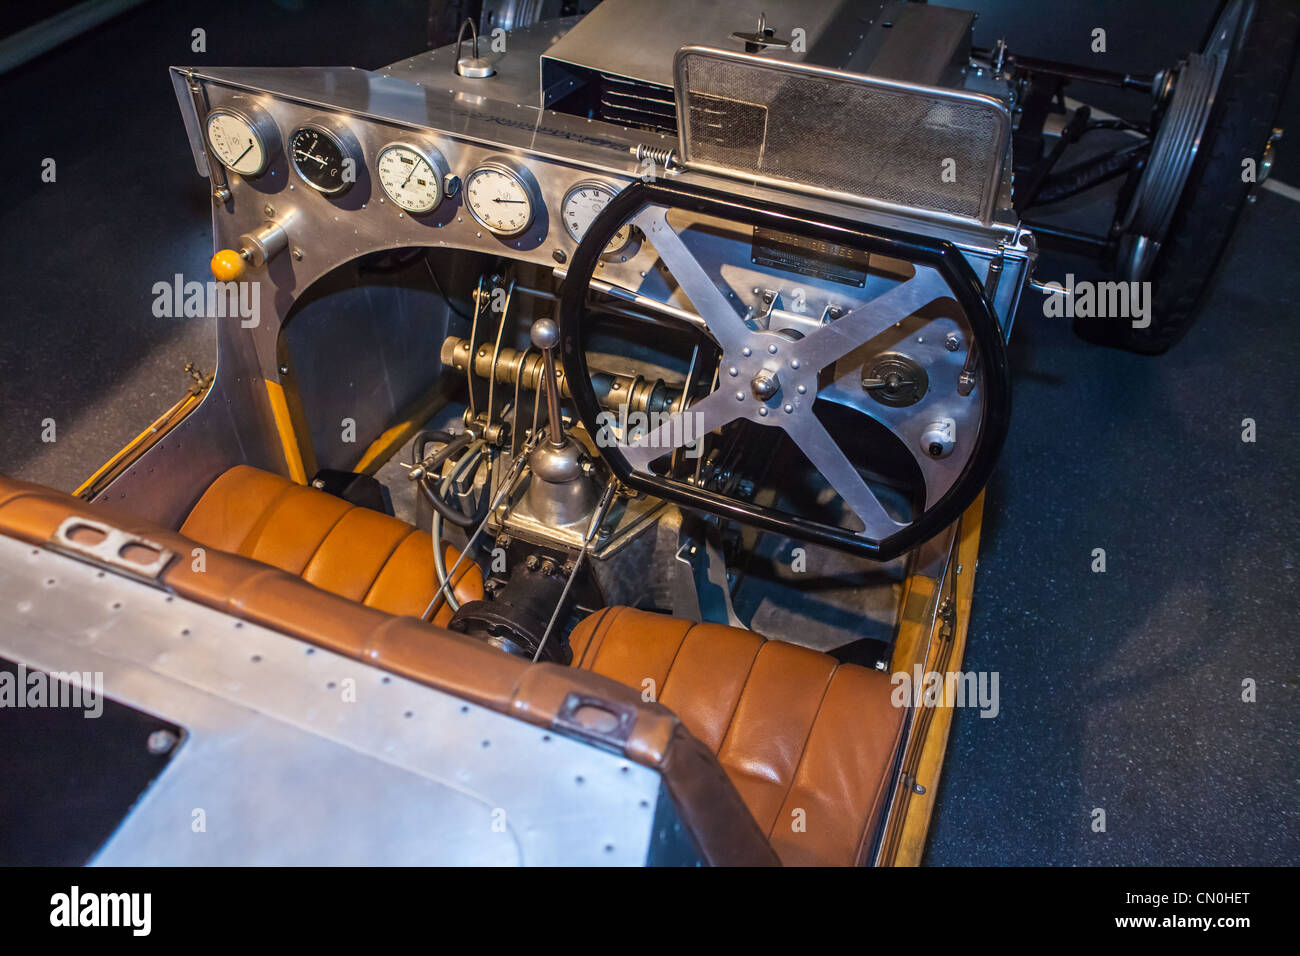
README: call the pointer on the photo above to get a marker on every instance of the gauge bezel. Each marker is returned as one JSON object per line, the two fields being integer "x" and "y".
{"x": 613, "y": 191}
{"x": 431, "y": 155}
{"x": 343, "y": 138}
{"x": 257, "y": 120}
{"x": 522, "y": 175}
{"x": 582, "y": 184}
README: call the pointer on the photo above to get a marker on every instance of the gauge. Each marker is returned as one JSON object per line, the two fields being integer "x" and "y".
{"x": 327, "y": 157}
{"x": 502, "y": 196}
{"x": 583, "y": 203}
{"x": 242, "y": 139}
{"x": 412, "y": 176}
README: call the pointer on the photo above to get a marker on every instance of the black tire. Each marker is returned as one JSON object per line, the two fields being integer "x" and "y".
{"x": 1244, "y": 114}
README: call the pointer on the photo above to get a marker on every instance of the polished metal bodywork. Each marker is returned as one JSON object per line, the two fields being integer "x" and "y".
{"x": 294, "y": 755}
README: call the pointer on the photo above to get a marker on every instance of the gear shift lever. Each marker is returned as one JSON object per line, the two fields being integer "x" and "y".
{"x": 545, "y": 334}
{"x": 560, "y": 492}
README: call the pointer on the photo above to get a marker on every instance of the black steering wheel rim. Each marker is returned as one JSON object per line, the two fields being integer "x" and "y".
{"x": 993, "y": 373}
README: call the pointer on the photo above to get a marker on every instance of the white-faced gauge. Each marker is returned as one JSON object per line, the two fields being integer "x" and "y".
{"x": 412, "y": 175}
{"x": 582, "y": 203}
{"x": 503, "y": 196}
{"x": 242, "y": 138}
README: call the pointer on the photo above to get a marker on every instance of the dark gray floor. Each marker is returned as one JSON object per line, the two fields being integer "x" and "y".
{"x": 1119, "y": 691}
{"x": 1122, "y": 691}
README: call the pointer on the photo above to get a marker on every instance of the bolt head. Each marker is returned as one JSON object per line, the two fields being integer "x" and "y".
{"x": 160, "y": 742}
{"x": 765, "y": 385}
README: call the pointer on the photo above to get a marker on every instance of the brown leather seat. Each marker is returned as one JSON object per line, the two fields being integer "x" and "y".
{"x": 356, "y": 553}
{"x": 807, "y": 741}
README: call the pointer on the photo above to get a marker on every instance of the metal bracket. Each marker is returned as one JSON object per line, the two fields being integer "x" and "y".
{"x": 117, "y": 550}
{"x": 700, "y": 583}
{"x": 601, "y": 721}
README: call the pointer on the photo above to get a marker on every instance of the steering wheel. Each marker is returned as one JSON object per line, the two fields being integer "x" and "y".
{"x": 773, "y": 377}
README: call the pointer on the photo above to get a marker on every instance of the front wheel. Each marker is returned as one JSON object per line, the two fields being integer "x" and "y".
{"x": 1177, "y": 240}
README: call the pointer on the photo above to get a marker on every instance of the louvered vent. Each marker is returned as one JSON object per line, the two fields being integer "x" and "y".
{"x": 608, "y": 96}
{"x": 628, "y": 102}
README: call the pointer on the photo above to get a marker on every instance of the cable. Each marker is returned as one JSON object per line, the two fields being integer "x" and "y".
{"x": 445, "y": 298}
{"x": 474, "y": 453}
{"x": 453, "y": 444}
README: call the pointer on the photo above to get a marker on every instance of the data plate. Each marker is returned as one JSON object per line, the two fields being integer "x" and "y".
{"x": 809, "y": 257}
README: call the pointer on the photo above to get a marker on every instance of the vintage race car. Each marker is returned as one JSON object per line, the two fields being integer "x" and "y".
{"x": 592, "y": 468}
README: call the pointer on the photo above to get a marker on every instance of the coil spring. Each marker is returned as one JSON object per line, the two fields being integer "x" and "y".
{"x": 660, "y": 156}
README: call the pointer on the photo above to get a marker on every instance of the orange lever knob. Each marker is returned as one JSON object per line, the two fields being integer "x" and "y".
{"x": 227, "y": 265}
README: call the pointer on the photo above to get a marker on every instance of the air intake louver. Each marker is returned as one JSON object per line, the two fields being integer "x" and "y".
{"x": 628, "y": 102}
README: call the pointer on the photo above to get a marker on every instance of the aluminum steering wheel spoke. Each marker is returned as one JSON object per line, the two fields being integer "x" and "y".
{"x": 828, "y": 457}
{"x": 682, "y": 428}
{"x": 723, "y": 322}
{"x": 836, "y": 339}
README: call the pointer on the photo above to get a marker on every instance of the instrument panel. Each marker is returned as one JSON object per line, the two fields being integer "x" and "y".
{"x": 403, "y": 182}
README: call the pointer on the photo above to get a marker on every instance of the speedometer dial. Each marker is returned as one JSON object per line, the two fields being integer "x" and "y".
{"x": 412, "y": 176}
{"x": 242, "y": 139}
{"x": 326, "y": 158}
{"x": 503, "y": 196}
{"x": 582, "y": 204}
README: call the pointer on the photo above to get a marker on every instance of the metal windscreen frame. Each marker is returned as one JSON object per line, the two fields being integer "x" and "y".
{"x": 905, "y": 170}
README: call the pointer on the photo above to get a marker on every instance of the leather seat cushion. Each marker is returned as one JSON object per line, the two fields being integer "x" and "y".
{"x": 356, "y": 553}
{"x": 807, "y": 741}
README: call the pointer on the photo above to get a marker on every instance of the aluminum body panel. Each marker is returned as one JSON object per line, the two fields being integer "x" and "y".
{"x": 286, "y": 769}
{"x": 900, "y": 41}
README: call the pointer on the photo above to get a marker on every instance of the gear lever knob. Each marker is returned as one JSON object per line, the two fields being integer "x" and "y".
{"x": 545, "y": 334}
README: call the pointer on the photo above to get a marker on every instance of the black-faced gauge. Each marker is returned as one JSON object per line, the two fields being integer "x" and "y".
{"x": 326, "y": 156}
{"x": 581, "y": 205}
{"x": 242, "y": 138}
{"x": 412, "y": 176}
{"x": 503, "y": 196}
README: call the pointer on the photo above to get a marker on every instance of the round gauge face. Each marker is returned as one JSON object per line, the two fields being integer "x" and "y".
{"x": 321, "y": 160}
{"x": 410, "y": 178}
{"x": 582, "y": 204}
{"x": 236, "y": 142}
{"x": 499, "y": 199}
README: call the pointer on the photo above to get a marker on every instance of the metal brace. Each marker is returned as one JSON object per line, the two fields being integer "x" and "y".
{"x": 110, "y": 550}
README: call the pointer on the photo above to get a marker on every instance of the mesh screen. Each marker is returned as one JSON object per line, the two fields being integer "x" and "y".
{"x": 848, "y": 135}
